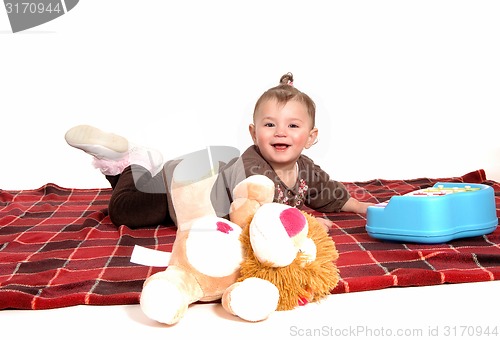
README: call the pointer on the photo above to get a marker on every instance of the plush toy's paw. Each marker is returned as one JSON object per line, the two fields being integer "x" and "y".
{"x": 252, "y": 300}
{"x": 241, "y": 210}
{"x": 257, "y": 188}
{"x": 161, "y": 301}
{"x": 166, "y": 295}
{"x": 248, "y": 196}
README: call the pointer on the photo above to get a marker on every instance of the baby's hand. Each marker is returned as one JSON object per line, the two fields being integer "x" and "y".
{"x": 326, "y": 224}
{"x": 355, "y": 206}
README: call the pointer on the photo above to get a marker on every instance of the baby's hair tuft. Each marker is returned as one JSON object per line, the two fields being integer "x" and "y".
{"x": 287, "y": 79}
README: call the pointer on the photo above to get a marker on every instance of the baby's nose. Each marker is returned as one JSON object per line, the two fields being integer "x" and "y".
{"x": 280, "y": 132}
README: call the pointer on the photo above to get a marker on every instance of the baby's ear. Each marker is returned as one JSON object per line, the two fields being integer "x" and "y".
{"x": 251, "y": 129}
{"x": 313, "y": 137}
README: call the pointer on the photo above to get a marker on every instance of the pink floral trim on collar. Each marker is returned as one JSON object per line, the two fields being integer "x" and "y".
{"x": 296, "y": 200}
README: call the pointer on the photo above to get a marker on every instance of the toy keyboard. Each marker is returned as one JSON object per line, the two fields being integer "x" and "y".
{"x": 437, "y": 214}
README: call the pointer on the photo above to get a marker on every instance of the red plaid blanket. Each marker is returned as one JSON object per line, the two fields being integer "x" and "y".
{"x": 58, "y": 248}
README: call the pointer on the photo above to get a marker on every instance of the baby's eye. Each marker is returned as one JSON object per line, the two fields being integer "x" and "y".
{"x": 293, "y": 126}
{"x": 269, "y": 124}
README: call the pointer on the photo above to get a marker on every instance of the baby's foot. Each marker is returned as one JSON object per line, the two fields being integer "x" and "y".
{"x": 112, "y": 153}
{"x": 98, "y": 143}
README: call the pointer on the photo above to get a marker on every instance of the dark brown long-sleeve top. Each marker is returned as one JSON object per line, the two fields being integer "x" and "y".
{"x": 314, "y": 188}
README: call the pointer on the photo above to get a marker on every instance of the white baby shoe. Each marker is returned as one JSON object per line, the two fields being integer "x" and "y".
{"x": 112, "y": 153}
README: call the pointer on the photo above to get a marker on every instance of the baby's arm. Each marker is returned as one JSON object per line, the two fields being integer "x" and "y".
{"x": 355, "y": 206}
{"x": 352, "y": 205}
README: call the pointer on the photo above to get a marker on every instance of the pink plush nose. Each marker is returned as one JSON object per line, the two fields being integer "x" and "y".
{"x": 224, "y": 227}
{"x": 293, "y": 221}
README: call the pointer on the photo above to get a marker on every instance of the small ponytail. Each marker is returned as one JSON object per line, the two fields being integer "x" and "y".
{"x": 287, "y": 79}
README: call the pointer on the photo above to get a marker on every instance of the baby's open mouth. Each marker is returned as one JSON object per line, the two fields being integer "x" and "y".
{"x": 280, "y": 146}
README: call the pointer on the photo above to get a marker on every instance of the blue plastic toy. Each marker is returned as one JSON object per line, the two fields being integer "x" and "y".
{"x": 438, "y": 214}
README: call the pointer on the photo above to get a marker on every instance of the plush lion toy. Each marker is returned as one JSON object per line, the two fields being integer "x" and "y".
{"x": 307, "y": 273}
{"x": 267, "y": 257}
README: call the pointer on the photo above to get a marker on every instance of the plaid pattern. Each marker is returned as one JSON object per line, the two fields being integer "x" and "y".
{"x": 58, "y": 248}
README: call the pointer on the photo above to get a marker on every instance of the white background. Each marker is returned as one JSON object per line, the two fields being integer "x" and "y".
{"x": 404, "y": 89}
